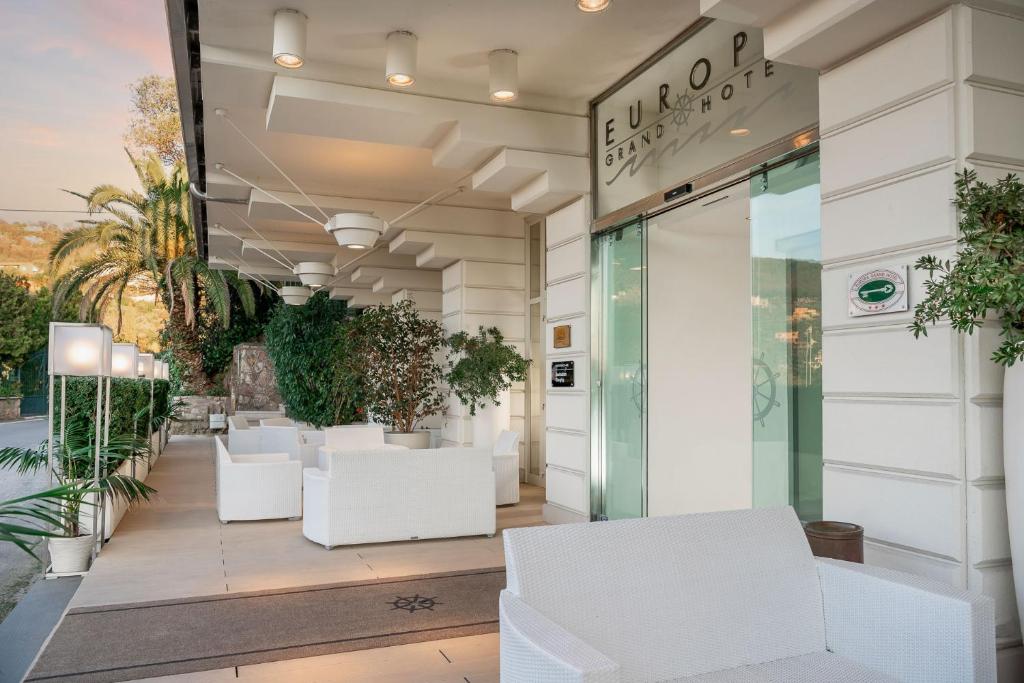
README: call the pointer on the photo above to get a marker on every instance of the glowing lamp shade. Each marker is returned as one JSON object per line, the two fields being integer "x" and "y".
{"x": 147, "y": 366}
{"x": 504, "y": 80}
{"x": 295, "y": 296}
{"x": 400, "y": 69}
{"x": 356, "y": 230}
{"x": 593, "y": 5}
{"x": 124, "y": 360}
{"x": 80, "y": 350}
{"x": 289, "y": 38}
{"x": 313, "y": 273}
{"x": 160, "y": 369}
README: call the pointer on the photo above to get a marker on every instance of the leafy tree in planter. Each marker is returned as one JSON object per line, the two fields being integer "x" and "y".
{"x": 307, "y": 346}
{"x": 486, "y": 366}
{"x": 396, "y": 352}
{"x": 988, "y": 273}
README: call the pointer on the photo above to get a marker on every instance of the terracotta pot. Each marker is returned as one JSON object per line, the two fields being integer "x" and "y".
{"x": 70, "y": 555}
{"x": 418, "y": 439}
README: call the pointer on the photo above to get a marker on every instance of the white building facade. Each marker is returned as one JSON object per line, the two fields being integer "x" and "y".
{"x": 684, "y": 245}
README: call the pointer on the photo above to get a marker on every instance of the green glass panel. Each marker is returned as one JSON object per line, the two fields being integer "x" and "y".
{"x": 785, "y": 235}
{"x": 620, "y": 372}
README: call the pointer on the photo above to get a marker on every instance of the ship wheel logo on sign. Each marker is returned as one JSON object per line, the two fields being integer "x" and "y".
{"x": 414, "y": 603}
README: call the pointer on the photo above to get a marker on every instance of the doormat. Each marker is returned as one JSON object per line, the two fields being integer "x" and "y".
{"x": 139, "y": 640}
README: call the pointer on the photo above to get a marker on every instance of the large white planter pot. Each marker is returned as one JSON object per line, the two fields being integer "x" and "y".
{"x": 70, "y": 555}
{"x": 1013, "y": 465}
{"x": 417, "y": 439}
{"x": 489, "y": 422}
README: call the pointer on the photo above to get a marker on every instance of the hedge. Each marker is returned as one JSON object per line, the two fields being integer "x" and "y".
{"x": 129, "y": 404}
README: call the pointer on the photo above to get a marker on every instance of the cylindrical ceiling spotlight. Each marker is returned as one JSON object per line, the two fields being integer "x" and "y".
{"x": 593, "y": 5}
{"x": 289, "y": 38}
{"x": 294, "y": 295}
{"x": 314, "y": 273}
{"x": 356, "y": 230}
{"x": 504, "y": 75}
{"x": 400, "y": 69}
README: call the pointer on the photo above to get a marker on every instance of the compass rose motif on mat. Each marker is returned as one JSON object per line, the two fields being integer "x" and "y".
{"x": 682, "y": 109}
{"x": 416, "y": 602}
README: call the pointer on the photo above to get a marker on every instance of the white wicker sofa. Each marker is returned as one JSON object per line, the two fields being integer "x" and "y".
{"x": 728, "y": 596}
{"x": 376, "y": 496}
{"x": 257, "y": 485}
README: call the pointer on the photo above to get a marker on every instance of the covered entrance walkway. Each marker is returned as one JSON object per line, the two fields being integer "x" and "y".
{"x": 175, "y": 552}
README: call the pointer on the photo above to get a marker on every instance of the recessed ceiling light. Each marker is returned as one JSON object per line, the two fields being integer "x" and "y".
{"x": 740, "y": 132}
{"x": 504, "y": 81}
{"x": 802, "y": 140}
{"x": 593, "y": 5}
{"x": 400, "y": 69}
{"x": 289, "y": 38}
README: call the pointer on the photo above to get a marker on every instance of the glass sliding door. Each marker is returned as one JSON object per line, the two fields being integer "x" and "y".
{"x": 619, "y": 468}
{"x": 785, "y": 239}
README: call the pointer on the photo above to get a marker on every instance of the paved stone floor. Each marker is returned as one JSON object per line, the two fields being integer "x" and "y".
{"x": 175, "y": 547}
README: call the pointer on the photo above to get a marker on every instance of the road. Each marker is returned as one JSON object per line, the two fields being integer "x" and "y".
{"x": 17, "y": 569}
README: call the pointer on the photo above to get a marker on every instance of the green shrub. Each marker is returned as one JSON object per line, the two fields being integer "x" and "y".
{"x": 129, "y": 404}
{"x": 307, "y": 346}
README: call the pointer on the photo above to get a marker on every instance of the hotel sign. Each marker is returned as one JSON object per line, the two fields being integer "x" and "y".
{"x": 879, "y": 290}
{"x": 711, "y": 100}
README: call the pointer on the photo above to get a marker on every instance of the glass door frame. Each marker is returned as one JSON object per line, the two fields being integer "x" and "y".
{"x": 736, "y": 172}
{"x": 597, "y": 363}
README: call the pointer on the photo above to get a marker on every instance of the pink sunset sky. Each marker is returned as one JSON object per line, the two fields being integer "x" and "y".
{"x": 64, "y": 97}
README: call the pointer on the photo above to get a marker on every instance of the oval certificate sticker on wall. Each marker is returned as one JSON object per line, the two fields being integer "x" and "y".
{"x": 880, "y": 290}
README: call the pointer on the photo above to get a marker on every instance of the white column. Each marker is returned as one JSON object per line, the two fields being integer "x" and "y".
{"x": 490, "y": 294}
{"x": 567, "y": 413}
{"x": 912, "y": 427}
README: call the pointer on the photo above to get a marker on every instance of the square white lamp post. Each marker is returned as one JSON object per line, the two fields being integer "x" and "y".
{"x": 79, "y": 350}
{"x": 124, "y": 361}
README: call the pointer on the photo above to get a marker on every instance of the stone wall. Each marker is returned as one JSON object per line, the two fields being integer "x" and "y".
{"x": 10, "y": 408}
{"x": 251, "y": 379}
{"x": 194, "y": 416}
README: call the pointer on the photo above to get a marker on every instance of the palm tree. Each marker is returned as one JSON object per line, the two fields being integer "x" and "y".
{"x": 147, "y": 243}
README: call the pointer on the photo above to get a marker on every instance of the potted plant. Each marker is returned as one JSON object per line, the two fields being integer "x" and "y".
{"x": 987, "y": 279}
{"x": 74, "y": 462}
{"x": 397, "y": 355}
{"x": 481, "y": 371}
{"x": 22, "y": 520}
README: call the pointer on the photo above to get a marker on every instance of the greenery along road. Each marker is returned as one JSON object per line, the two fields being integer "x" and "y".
{"x": 17, "y": 569}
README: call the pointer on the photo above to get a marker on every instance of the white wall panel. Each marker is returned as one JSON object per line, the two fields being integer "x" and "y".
{"x": 997, "y": 117}
{"x": 478, "y": 300}
{"x": 997, "y": 49}
{"x": 913, "y": 63}
{"x": 908, "y": 138}
{"x": 568, "y": 259}
{"x": 984, "y": 440}
{"x": 567, "y": 223}
{"x": 567, "y": 411}
{"x": 567, "y": 298}
{"x": 902, "y": 435}
{"x": 906, "y": 511}
{"x": 896, "y": 214}
{"x": 567, "y": 489}
{"x": 568, "y": 450}
{"x": 987, "y": 523}
{"x": 888, "y": 360}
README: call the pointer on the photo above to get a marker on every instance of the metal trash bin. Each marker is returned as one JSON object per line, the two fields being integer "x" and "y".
{"x": 837, "y": 540}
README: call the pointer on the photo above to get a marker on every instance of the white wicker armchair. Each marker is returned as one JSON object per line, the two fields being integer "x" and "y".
{"x": 506, "y": 468}
{"x": 729, "y": 596}
{"x": 352, "y": 438}
{"x": 299, "y": 444}
{"x": 242, "y": 436}
{"x": 257, "y": 485}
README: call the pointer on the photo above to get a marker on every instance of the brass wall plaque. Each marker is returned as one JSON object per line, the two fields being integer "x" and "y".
{"x": 563, "y": 336}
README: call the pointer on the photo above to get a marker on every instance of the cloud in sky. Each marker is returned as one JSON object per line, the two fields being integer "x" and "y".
{"x": 64, "y": 96}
